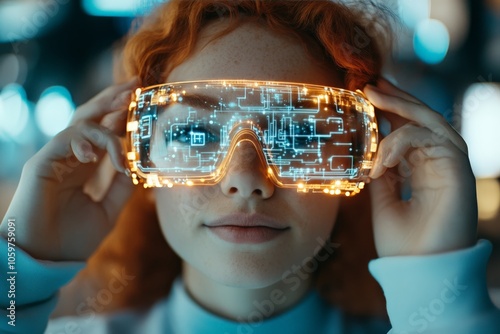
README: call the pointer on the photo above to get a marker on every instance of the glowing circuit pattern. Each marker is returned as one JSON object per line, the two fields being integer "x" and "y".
{"x": 310, "y": 137}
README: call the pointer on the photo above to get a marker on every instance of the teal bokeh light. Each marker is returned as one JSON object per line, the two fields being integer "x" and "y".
{"x": 54, "y": 110}
{"x": 431, "y": 41}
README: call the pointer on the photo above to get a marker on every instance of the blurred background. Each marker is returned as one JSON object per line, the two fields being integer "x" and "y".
{"x": 56, "y": 54}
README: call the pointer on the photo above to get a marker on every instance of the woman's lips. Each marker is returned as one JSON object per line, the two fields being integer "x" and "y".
{"x": 246, "y": 228}
{"x": 247, "y": 235}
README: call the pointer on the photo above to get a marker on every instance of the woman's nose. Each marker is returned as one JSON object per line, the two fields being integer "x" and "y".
{"x": 246, "y": 175}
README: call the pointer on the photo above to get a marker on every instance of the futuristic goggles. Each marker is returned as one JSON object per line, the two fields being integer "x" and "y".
{"x": 309, "y": 137}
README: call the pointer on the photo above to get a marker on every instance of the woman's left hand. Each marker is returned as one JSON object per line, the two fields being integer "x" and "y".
{"x": 427, "y": 153}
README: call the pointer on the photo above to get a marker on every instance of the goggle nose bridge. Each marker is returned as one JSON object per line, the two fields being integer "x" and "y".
{"x": 246, "y": 131}
{"x": 245, "y": 128}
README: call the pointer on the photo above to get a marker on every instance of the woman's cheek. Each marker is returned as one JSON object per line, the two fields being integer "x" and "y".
{"x": 315, "y": 213}
{"x": 181, "y": 205}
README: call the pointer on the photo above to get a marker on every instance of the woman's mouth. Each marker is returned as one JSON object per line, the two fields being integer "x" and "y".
{"x": 246, "y": 228}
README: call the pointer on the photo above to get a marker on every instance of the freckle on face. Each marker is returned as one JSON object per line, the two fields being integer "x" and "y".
{"x": 253, "y": 52}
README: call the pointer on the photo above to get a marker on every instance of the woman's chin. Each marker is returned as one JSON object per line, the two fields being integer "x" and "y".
{"x": 244, "y": 274}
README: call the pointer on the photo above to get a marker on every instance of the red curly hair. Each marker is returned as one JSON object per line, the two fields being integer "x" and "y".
{"x": 163, "y": 41}
{"x": 170, "y": 35}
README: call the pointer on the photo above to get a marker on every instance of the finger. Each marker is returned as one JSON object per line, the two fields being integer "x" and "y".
{"x": 111, "y": 99}
{"x": 102, "y": 138}
{"x": 389, "y": 122}
{"x": 397, "y": 144}
{"x": 115, "y": 121}
{"x": 82, "y": 149}
{"x": 388, "y": 87}
{"x": 79, "y": 142}
{"x": 415, "y": 112}
{"x": 118, "y": 193}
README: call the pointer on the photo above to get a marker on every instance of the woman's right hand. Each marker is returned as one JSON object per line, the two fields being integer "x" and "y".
{"x": 54, "y": 218}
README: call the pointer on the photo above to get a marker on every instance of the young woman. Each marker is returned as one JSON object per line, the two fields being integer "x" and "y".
{"x": 431, "y": 267}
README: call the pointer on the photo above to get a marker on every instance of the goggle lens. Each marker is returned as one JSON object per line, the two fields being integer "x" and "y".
{"x": 312, "y": 138}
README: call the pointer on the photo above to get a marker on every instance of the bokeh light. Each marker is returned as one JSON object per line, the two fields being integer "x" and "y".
{"x": 119, "y": 8}
{"x": 14, "y": 112}
{"x": 480, "y": 119}
{"x": 413, "y": 12}
{"x": 455, "y": 16}
{"x": 54, "y": 110}
{"x": 24, "y": 20}
{"x": 431, "y": 41}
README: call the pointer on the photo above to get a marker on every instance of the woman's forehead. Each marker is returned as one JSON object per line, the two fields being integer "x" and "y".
{"x": 253, "y": 51}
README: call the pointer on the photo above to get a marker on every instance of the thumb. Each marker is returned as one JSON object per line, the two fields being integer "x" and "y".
{"x": 118, "y": 194}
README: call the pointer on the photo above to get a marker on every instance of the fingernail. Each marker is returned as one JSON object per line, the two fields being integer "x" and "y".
{"x": 91, "y": 157}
